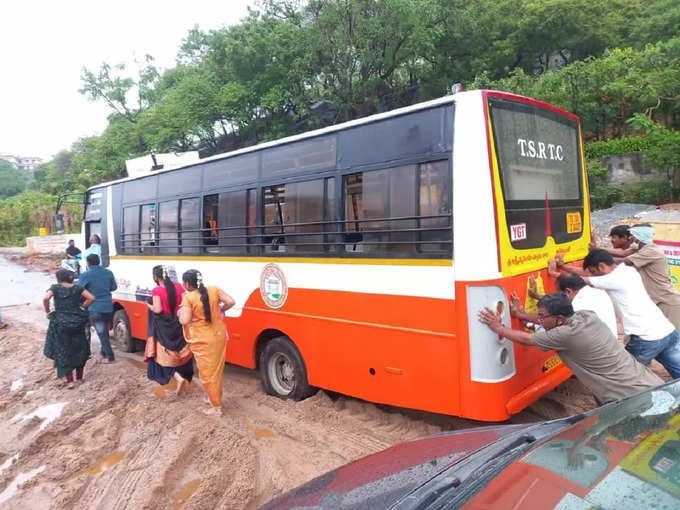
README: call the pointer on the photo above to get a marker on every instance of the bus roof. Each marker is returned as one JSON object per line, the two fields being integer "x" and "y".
{"x": 338, "y": 127}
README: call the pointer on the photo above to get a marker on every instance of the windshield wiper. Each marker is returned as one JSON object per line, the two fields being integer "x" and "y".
{"x": 468, "y": 478}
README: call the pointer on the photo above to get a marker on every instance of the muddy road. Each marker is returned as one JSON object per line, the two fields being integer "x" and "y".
{"x": 118, "y": 441}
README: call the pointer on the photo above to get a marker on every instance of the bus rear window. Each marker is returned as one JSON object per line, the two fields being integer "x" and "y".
{"x": 539, "y": 164}
{"x": 537, "y": 152}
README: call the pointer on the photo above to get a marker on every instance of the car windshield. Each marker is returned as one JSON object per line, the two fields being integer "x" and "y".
{"x": 625, "y": 455}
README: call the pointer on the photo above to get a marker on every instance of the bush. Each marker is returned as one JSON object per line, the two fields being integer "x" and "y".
{"x": 597, "y": 172}
{"x": 655, "y": 192}
{"x": 22, "y": 215}
{"x": 603, "y": 196}
{"x": 615, "y": 146}
{"x": 648, "y": 192}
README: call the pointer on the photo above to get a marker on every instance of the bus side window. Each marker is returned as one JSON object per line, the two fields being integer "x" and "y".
{"x": 296, "y": 216}
{"x": 147, "y": 228}
{"x": 434, "y": 201}
{"x": 168, "y": 222}
{"x": 190, "y": 225}
{"x": 380, "y": 206}
{"x": 130, "y": 236}
{"x": 274, "y": 201}
{"x": 400, "y": 210}
{"x": 353, "y": 212}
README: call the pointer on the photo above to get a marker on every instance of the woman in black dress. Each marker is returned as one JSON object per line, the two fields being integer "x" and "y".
{"x": 66, "y": 342}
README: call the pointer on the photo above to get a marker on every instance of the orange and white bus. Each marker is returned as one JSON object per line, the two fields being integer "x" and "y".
{"x": 360, "y": 254}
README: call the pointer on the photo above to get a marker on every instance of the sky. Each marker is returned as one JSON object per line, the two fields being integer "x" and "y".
{"x": 44, "y": 46}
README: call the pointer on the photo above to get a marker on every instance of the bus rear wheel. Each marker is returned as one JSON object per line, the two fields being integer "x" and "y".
{"x": 122, "y": 333}
{"x": 283, "y": 372}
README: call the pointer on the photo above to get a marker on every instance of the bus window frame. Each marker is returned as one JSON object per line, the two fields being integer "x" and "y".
{"x": 552, "y": 115}
{"x": 515, "y": 207}
{"x": 331, "y": 249}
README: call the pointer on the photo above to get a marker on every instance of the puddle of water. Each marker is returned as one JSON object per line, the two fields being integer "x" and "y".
{"x": 17, "y": 385}
{"x": 47, "y": 413}
{"x": 104, "y": 463}
{"x": 22, "y": 478}
{"x": 26, "y": 287}
{"x": 184, "y": 494}
{"x": 8, "y": 463}
{"x": 259, "y": 433}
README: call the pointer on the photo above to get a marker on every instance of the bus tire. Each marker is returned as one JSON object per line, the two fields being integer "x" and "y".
{"x": 121, "y": 333}
{"x": 283, "y": 372}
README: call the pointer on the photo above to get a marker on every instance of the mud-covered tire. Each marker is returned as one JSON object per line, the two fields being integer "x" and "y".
{"x": 121, "y": 334}
{"x": 283, "y": 371}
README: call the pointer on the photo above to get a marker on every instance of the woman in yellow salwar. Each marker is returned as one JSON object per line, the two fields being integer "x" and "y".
{"x": 201, "y": 315}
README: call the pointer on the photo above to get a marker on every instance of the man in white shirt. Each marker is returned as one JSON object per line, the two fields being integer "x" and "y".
{"x": 581, "y": 296}
{"x": 651, "y": 334}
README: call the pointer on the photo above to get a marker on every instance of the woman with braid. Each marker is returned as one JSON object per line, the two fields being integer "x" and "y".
{"x": 167, "y": 353}
{"x": 201, "y": 314}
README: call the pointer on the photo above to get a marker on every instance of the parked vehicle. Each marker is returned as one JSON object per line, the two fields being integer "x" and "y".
{"x": 624, "y": 455}
{"x": 72, "y": 265}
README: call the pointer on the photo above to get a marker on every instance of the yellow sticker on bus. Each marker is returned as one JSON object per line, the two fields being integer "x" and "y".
{"x": 574, "y": 222}
{"x": 552, "y": 362}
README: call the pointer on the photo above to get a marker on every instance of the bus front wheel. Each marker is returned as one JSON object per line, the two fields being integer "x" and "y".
{"x": 283, "y": 372}
{"x": 122, "y": 334}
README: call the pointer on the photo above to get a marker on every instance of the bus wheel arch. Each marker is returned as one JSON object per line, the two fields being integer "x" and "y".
{"x": 121, "y": 333}
{"x": 283, "y": 371}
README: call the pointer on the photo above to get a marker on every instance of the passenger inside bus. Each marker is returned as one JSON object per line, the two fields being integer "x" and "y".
{"x": 210, "y": 232}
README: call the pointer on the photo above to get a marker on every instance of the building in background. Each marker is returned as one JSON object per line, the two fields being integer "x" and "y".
{"x": 25, "y": 163}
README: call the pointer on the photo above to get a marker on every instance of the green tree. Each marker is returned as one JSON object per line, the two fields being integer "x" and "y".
{"x": 12, "y": 180}
{"x": 663, "y": 151}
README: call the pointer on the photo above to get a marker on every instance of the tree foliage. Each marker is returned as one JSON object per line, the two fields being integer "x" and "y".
{"x": 12, "y": 180}
{"x": 294, "y": 65}
{"x": 21, "y": 215}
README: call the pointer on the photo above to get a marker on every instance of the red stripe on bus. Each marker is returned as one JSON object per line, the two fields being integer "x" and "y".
{"x": 533, "y": 102}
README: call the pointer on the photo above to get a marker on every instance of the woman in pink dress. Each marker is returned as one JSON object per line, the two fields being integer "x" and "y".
{"x": 167, "y": 353}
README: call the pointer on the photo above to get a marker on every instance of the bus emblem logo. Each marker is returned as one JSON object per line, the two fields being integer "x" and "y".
{"x": 273, "y": 286}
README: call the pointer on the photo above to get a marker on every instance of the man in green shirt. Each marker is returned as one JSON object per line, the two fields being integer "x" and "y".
{"x": 651, "y": 263}
{"x": 586, "y": 346}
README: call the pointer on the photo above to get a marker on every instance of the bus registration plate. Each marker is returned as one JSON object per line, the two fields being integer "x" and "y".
{"x": 574, "y": 222}
{"x": 552, "y": 362}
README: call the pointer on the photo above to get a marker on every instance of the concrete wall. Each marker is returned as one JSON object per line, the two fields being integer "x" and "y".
{"x": 52, "y": 244}
{"x": 627, "y": 168}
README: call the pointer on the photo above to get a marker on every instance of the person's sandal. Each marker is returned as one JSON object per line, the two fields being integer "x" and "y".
{"x": 70, "y": 385}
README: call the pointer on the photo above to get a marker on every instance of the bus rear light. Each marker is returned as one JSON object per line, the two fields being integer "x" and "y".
{"x": 492, "y": 359}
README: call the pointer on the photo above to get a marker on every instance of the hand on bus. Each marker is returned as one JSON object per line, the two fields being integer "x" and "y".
{"x": 533, "y": 288}
{"x": 552, "y": 268}
{"x": 516, "y": 307}
{"x": 491, "y": 319}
